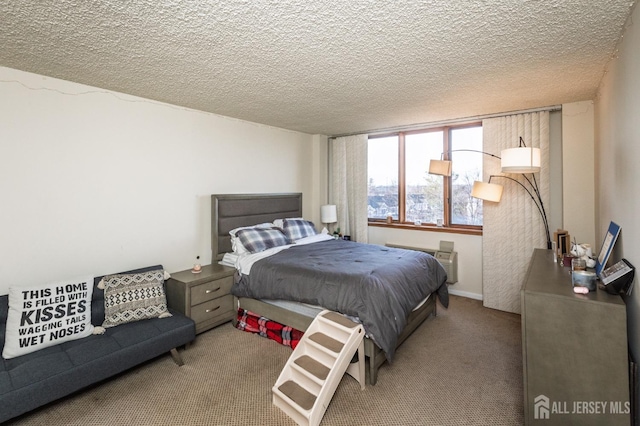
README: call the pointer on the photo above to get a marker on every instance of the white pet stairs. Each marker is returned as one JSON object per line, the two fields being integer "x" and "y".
{"x": 314, "y": 369}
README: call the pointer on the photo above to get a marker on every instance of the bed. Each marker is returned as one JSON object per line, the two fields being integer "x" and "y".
{"x": 276, "y": 274}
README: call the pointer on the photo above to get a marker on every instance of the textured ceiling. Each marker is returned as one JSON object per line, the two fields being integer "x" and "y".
{"x": 323, "y": 67}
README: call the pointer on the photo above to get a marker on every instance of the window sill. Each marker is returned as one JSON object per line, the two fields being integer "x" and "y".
{"x": 429, "y": 228}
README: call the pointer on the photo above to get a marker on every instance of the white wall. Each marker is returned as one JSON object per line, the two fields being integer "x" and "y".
{"x": 578, "y": 171}
{"x": 469, "y": 248}
{"x": 93, "y": 181}
{"x": 618, "y": 161}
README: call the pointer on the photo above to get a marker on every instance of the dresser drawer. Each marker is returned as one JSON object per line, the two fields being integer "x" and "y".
{"x": 210, "y": 290}
{"x": 209, "y": 310}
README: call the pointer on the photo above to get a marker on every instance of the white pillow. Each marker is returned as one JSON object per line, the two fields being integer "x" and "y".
{"x": 45, "y": 315}
{"x": 314, "y": 239}
{"x": 237, "y": 247}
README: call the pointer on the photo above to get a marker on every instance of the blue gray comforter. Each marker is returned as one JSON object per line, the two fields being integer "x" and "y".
{"x": 380, "y": 285}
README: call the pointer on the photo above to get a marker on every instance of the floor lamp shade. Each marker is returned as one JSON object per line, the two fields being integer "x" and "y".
{"x": 487, "y": 191}
{"x": 520, "y": 160}
{"x": 328, "y": 213}
{"x": 440, "y": 167}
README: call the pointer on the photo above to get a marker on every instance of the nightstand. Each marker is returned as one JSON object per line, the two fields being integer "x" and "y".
{"x": 204, "y": 297}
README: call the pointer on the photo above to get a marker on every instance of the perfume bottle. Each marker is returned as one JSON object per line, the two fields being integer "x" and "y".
{"x": 197, "y": 268}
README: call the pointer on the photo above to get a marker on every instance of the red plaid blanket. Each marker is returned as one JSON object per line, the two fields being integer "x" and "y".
{"x": 283, "y": 334}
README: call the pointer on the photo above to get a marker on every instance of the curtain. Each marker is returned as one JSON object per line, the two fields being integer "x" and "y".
{"x": 513, "y": 227}
{"x": 348, "y": 183}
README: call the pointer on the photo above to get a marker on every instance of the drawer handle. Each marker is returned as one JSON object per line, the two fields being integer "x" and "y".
{"x": 212, "y": 291}
{"x": 211, "y": 310}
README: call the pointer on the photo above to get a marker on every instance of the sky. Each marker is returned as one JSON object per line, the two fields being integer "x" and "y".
{"x": 420, "y": 149}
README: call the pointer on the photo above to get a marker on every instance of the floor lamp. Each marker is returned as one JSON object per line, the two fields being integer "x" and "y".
{"x": 493, "y": 192}
{"x": 520, "y": 160}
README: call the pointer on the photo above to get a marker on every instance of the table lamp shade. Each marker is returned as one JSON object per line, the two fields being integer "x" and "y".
{"x": 328, "y": 213}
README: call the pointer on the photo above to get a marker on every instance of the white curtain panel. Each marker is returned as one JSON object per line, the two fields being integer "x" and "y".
{"x": 513, "y": 227}
{"x": 349, "y": 185}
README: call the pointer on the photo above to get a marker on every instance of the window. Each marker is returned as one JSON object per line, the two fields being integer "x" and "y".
{"x": 401, "y": 187}
{"x": 466, "y": 168}
{"x": 383, "y": 177}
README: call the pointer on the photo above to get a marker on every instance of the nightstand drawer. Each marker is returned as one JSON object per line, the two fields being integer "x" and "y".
{"x": 205, "y": 297}
{"x": 209, "y": 310}
{"x": 210, "y": 290}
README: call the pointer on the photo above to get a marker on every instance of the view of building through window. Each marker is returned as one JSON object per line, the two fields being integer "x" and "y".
{"x": 425, "y": 196}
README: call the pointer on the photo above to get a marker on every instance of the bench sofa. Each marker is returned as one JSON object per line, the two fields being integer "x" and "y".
{"x": 32, "y": 380}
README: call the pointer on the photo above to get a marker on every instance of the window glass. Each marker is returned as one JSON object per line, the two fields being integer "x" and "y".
{"x": 424, "y": 192}
{"x": 466, "y": 168}
{"x": 401, "y": 187}
{"x": 383, "y": 177}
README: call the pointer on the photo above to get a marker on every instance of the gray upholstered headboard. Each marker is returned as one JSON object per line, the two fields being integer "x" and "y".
{"x": 229, "y": 211}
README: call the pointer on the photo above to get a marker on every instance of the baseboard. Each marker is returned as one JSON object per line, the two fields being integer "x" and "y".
{"x": 467, "y": 294}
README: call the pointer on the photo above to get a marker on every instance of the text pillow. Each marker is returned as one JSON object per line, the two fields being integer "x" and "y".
{"x": 133, "y": 297}
{"x": 258, "y": 239}
{"x": 298, "y": 228}
{"x": 47, "y": 314}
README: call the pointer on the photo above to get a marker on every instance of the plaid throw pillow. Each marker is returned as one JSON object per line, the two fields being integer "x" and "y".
{"x": 298, "y": 228}
{"x": 259, "y": 239}
{"x": 133, "y": 297}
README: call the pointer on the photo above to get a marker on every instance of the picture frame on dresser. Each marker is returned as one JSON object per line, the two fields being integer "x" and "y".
{"x": 562, "y": 241}
{"x": 607, "y": 247}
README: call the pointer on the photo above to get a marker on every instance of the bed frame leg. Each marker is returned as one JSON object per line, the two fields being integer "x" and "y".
{"x": 236, "y": 304}
{"x": 373, "y": 371}
{"x": 177, "y": 358}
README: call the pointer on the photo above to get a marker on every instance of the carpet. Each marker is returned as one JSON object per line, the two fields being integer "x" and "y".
{"x": 462, "y": 367}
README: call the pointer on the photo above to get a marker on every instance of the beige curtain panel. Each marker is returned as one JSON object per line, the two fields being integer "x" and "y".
{"x": 513, "y": 227}
{"x": 348, "y": 183}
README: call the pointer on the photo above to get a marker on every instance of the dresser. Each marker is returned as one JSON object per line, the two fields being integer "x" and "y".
{"x": 204, "y": 297}
{"x": 575, "y": 356}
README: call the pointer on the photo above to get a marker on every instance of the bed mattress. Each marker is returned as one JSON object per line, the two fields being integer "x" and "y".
{"x": 377, "y": 284}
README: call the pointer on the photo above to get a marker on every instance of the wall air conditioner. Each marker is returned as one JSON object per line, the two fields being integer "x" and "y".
{"x": 445, "y": 255}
